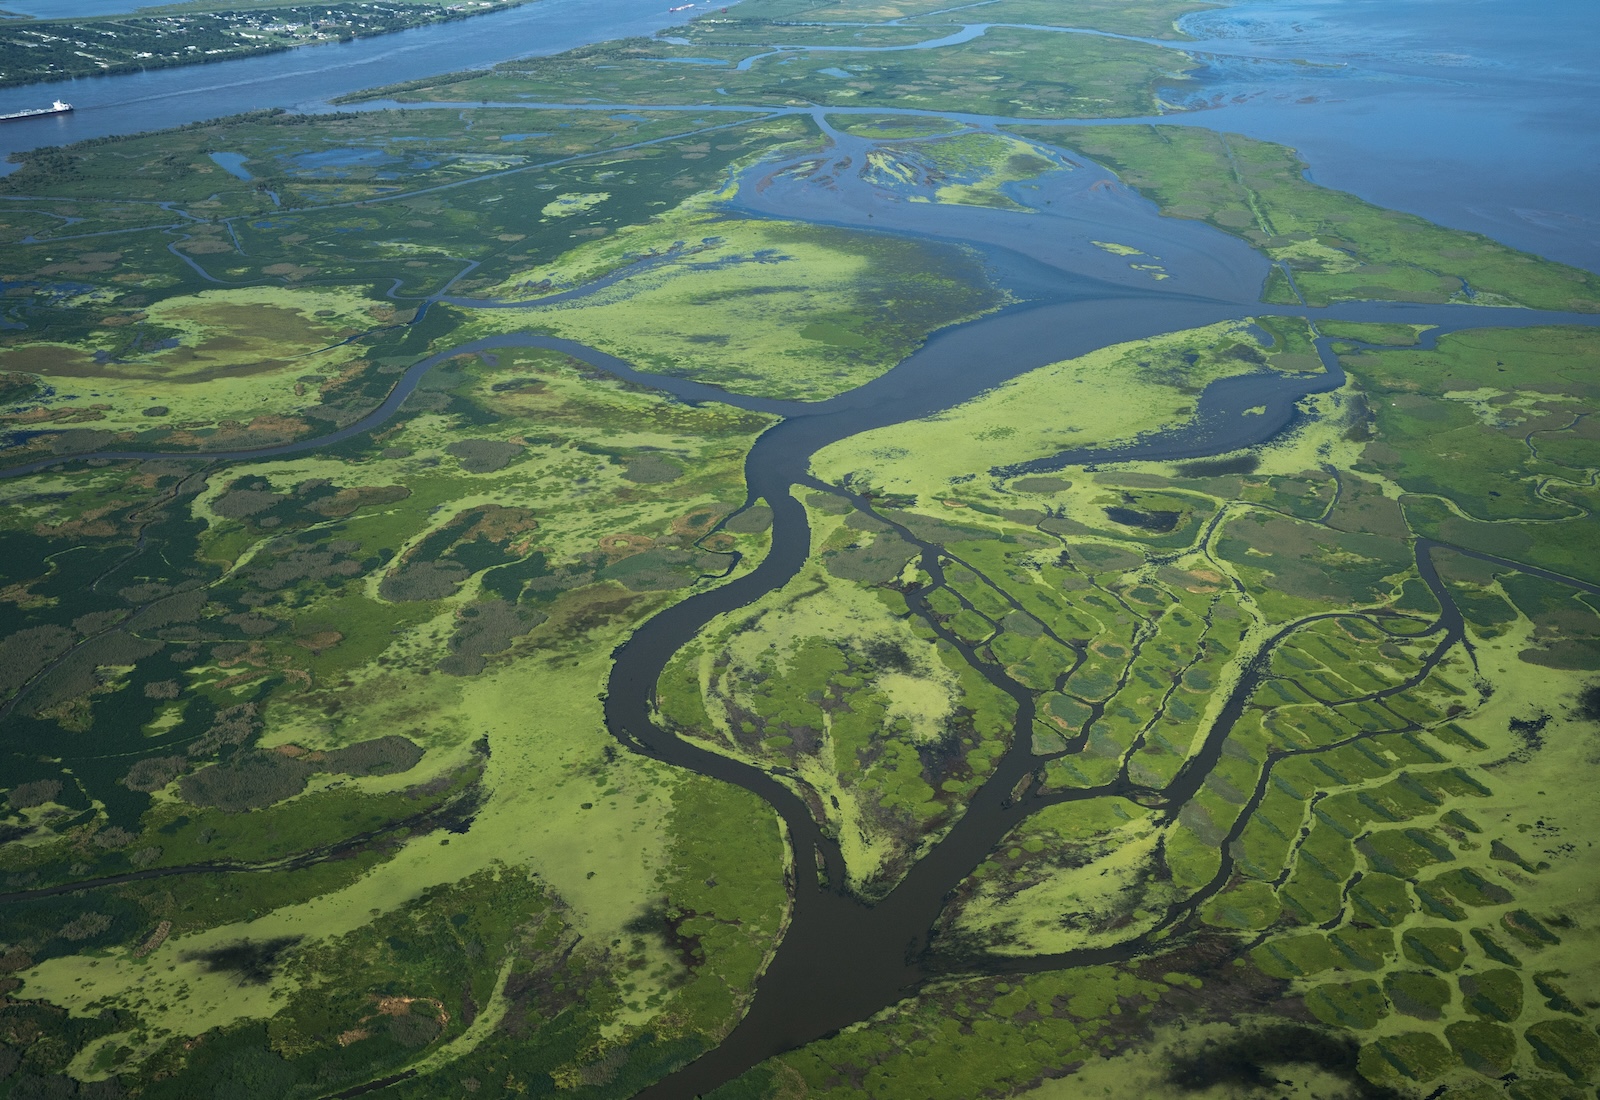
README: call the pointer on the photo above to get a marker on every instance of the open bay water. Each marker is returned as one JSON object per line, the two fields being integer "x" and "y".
{"x": 1476, "y": 114}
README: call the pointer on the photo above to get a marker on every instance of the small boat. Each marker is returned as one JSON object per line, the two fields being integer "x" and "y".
{"x": 680, "y": 7}
{"x": 56, "y": 108}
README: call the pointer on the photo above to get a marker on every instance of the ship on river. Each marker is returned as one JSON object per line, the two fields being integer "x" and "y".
{"x": 56, "y": 108}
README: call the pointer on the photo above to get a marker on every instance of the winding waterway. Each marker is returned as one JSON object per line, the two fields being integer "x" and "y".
{"x": 841, "y": 959}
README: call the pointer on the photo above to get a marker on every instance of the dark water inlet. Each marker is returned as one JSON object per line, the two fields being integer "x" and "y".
{"x": 843, "y": 960}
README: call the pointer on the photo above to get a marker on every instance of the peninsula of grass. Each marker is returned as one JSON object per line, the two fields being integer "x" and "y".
{"x": 1337, "y": 246}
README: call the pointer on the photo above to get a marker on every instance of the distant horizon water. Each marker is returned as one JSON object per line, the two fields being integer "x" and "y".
{"x": 308, "y": 77}
{"x": 1474, "y": 114}
{"x": 1477, "y": 114}
{"x": 70, "y": 9}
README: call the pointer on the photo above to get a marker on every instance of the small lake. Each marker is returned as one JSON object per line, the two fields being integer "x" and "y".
{"x": 233, "y": 164}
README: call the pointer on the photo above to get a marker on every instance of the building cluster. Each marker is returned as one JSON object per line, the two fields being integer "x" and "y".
{"x": 61, "y": 49}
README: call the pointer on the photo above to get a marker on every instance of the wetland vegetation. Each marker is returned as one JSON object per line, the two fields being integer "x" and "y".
{"x": 502, "y": 597}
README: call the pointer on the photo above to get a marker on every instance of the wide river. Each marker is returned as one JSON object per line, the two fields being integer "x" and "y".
{"x": 308, "y": 77}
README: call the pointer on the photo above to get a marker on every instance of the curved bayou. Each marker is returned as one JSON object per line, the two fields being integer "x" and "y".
{"x": 842, "y": 960}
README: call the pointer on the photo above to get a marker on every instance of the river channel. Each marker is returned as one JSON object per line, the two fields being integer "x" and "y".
{"x": 843, "y": 960}
{"x": 309, "y": 77}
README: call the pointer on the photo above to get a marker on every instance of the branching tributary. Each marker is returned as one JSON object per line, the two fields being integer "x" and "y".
{"x": 841, "y": 959}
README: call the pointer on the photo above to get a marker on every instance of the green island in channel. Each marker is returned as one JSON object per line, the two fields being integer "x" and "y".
{"x": 607, "y": 576}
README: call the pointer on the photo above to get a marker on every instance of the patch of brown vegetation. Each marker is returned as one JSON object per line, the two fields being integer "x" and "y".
{"x": 394, "y": 1006}
{"x": 502, "y": 524}
{"x": 619, "y": 546}
{"x": 578, "y": 613}
{"x": 233, "y": 434}
{"x": 90, "y": 524}
{"x": 320, "y": 641}
{"x": 75, "y": 269}
{"x": 401, "y": 1006}
{"x": 204, "y": 247}
{"x": 155, "y": 940}
{"x": 699, "y": 521}
{"x": 346, "y": 501}
{"x": 14, "y": 960}
{"x": 292, "y": 272}
{"x": 70, "y": 415}
{"x": 1199, "y": 581}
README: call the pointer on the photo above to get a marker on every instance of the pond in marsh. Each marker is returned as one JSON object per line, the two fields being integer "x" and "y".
{"x": 233, "y": 164}
{"x": 1144, "y": 521}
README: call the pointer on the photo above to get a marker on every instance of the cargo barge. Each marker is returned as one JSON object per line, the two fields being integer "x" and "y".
{"x": 56, "y": 108}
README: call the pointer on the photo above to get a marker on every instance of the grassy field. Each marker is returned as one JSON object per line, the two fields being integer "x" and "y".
{"x": 1334, "y": 246}
{"x": 1005, "y": 72}
{"x": 772, "y": 309}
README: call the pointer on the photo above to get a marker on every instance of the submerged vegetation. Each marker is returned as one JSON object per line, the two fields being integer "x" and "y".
{"x": 355, "y": 462}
